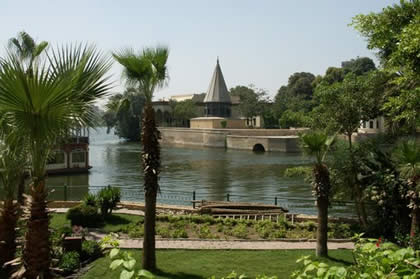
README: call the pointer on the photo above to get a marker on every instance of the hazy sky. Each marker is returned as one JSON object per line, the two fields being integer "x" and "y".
{"x": 260, "y": 42}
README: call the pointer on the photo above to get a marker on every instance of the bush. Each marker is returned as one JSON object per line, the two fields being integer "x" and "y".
{"x": 223, "y": 123}
{"x": 90, "y": 200}
{"x": 84, "y": 215}
{"x": 90, "y": 250}
{"x": 69, "y": 262}
{"x": 373, "y": 259}
{"x": 108, "y": 198}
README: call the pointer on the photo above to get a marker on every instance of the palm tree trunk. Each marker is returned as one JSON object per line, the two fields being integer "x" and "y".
{"x": 21, "y": 190}
{"x": 36, "y": 253}
{"x": 360, "y": 205}
{"x": 151, "y": 168}
{"x": 322, "y": 188}
{"x": 322, "y": 230}
{"x": 415, "y": 225}
{"x": 8, "y": 221}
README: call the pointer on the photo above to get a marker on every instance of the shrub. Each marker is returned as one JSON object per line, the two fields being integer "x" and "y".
{"x": 373, "y": 259}
{"x": 69, "y": 262}
{"x": 163, "y": 232}
{"x": 239, "y": 231}
{"x": 90, "y": 200}
{"x": 84, "y": 215}
{"x": 90, "y": 250}
{"x": 108, "y": 198}
{"x": 223, "y": 123}
{"x": 340, "y": 230}
{"x": 179, "y": 233}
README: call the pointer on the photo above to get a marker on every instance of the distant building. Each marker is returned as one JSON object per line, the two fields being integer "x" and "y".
{"x": 72, "y": 155}
{"x": 216, "y": 102}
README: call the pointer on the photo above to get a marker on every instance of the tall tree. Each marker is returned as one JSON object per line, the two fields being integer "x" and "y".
{"x": 252, "y": 100}
{"x": 26, "y": 49}
{"x": 394, "y": 34}
{"x": 317, "y": 144}
{"x": 40, "y": 108}
{"x": 343, "y": 106}
{"x": 293, "y": 101}
{"x": 147, "y": 71}
{"x": 184, "y": 111}
{"x": 124, "y": 112}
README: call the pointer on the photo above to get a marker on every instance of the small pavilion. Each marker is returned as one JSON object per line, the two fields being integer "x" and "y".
{"x": 217, "y": 105}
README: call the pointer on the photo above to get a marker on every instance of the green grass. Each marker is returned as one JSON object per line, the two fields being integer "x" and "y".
{"x": 113, "y": 223}
{"x": 194, "y": 264}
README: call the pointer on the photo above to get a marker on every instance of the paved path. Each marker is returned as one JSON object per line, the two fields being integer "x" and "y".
{"x": 225, "y": 244}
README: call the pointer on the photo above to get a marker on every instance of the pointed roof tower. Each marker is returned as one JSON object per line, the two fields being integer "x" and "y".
{"x": 217, "y": 92}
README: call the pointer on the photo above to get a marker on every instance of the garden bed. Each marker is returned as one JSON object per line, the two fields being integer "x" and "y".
{"x": 208, "y": 227}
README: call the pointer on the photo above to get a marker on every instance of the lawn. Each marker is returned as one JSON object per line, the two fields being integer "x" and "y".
{"x": 196, "y": 264}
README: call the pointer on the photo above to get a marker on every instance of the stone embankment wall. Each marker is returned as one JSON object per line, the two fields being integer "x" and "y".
{"x": 284, "y": 140}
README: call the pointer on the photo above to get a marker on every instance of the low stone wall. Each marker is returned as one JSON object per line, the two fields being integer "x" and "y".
{"x": 283, "y": 140}
{"x": 216, "y": 123}
{"x": 280, "y": 143}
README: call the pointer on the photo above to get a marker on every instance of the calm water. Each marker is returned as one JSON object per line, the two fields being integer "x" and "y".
{"x": 211, "y": 172}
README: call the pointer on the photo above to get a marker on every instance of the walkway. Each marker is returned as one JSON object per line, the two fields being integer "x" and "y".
{"x": 226, "y": 244}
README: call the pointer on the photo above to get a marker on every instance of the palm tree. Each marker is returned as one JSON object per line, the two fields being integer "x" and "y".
{"x": 12, "y": 165}
{"x": 40, "y": 108}
{"x": 28, "y": 52}
{"x": 147, "y": 71}
{"x": 407, "y": 156}
{"x": 26, "y": 49}
{"x": 317, "y": 144}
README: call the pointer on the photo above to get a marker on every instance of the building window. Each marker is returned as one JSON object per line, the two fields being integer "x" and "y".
{"x": 371, "y": 124}
{"x": 56, "y": 157}
{"x": 364, "y": 124}
{"x": 78, "y": 157}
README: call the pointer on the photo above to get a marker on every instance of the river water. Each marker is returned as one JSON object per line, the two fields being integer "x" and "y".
{"x": 212, "y": 173}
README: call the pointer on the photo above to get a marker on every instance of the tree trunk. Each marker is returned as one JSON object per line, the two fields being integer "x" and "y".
{"x": 8, "y": 221}
{"x": 360, "y": 205}
{"x": 322, "y": 230}
{"x": 151, "y": 168}
{"x": 36, "y": 253}
{"x": 322, "y": 188}
{"x": 415, "y": 225}
{"x": 21, "y": 190}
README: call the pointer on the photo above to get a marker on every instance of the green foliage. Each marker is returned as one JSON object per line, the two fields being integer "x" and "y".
{"x": 127, "y": 263}
{"x": 69, "y": 262}
{"x": 294, "y": 119}
{"x": 184, "y": 111}
{"x": 301, "y": 171}
{"x": 223, "y": 123}
{"x": 267, "y": 229}
{"x": 343, "y": 105}
{"x": 84, "y": 215}
{"x": 316, "y": 143}
{"x": 373, "y": 260}
{"x": 108, "y": 198}
{"x": 90, "y": 250}
{"x": 252, "y": 100}
{"x": 124, "y": 112}
{"x": 90, "y": 200}
{"x": 394, "y": 33}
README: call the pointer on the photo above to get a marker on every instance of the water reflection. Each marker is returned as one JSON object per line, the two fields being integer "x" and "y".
{"x": 208, "y": 171}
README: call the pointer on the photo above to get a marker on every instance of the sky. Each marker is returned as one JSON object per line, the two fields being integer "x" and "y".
{"x": 258, "y": 42}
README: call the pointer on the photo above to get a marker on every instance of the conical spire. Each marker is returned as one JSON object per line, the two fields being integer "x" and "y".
{"x": 217, "y": 92}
